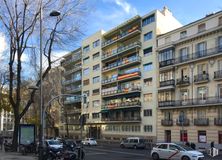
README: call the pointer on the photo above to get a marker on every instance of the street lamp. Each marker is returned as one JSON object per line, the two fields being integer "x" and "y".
{"x": 52, "y": 14}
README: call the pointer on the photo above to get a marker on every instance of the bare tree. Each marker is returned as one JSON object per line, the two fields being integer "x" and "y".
{"x": 20, "y": 19}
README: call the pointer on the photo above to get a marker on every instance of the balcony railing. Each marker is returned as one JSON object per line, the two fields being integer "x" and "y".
{"x": 191, "y": 102}
{"x": 185, "y": 122}
{"x": 218, "y": 75}
{"x": 167, "y": 122}
{"x": 166, "y": 63}
{"x": 120, "y": 50}
{"x": 201, "y": 122}
{"x": 73, "y": 89}
{"x": 72, "y": 100}
{"x": 121, "y": 105}
{"x": 201, "y": 78}
{"x": 73, "y": 59}
{"x": 218, "y": 121}
{"x": 74, "y": 111}
{"x": 71, "y": 81}
{"x": 131, "y": 31}
{"x": 121, "y": 77}
{"x": 121, "y": 91}
{"x": 170, "y": 82}
{"x": 183, "y": 81}
{"x": 125, "y": 62}
{"x": 75, "y": 68}
{"x": 123, "y": 119}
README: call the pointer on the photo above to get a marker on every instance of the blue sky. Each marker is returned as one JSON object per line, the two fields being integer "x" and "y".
{"x": 106, "y": 14}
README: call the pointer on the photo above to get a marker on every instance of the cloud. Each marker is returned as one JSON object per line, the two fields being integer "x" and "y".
{"x": 126, "y": 7}
{"x": 3, "y": 46}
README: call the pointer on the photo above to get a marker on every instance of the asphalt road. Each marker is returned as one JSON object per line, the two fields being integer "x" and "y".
{"x": 109, "y": 152}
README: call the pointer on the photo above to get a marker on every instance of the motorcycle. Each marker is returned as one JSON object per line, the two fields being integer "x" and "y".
{"x": 8, "y": 147}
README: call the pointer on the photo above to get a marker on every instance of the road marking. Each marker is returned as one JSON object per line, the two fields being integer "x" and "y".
{"x": 135, "y": 154}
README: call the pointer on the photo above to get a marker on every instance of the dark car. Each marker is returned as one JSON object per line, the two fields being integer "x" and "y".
{"x": 69, "y": 144}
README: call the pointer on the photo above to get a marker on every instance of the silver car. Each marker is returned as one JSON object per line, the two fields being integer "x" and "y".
{"x": 133, "y": 142}
{"x": 175, "y": 151}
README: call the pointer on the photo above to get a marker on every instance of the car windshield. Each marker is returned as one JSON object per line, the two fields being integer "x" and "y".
{"x": 185, "y": 147}
{"x": 54, "y": 142}
{"x": 92, "y": 139}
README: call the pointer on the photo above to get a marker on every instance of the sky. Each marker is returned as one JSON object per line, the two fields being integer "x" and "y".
{"x": 106, "y": 14}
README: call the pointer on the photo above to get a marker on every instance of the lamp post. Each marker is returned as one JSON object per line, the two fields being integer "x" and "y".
{"x": 41, "y": 136}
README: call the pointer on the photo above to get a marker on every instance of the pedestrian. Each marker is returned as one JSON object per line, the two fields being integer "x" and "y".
{"x": 193, "y": 146}
{"x": 1, "y": 142}
{"x": 212, "y": 148}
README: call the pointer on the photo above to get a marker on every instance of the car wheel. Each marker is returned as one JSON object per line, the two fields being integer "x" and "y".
{"x": 122, "y": 146}
{"x": 185, "y": 158}
{"x": 155, "y": 156}
{"x": 135, "y": 147}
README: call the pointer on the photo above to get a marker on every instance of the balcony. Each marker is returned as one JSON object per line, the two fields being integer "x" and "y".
{"x": 120, "y": 50}
{"x": 195, "y": 102}
{"x": 73, "y": 89}
{"x": 166, "y": 63}
{"x": 75, "y": 68}
{"x": 127, "y": 34}
{"x": 170, "y": 82}
{"x": 121, "y": 91}
{"x": 124, "y": 63}
{"x": 72, "y": 100}
{"x": 185, "y": 81}
{"x": 167, "y": 122}
{"x": 74, "y": 111}
{"x": 201, "y": 122}
{"x": 201, "y": 78}
{"x": 212, "y": 52}
{"x": 72, "y": 81}
{"x": 122, "y": 77}
{"x": 122, "y": 105}
{"x": 218, "y": 75}
{"x": 121, "y": 119}
{"x": 73, "y": 121}
{"x": 186, "y": 122}
{"x": 72, "y": 60}
{"x": 218, "y": 121}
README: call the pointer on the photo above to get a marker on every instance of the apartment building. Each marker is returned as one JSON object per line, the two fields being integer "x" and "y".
{"x": 72, "y": 84}
{"x": 6, "y": 123}
{"x": 91, "y": 83}
{"x": 190, "y": 86}
{"x": 129, "y": 75}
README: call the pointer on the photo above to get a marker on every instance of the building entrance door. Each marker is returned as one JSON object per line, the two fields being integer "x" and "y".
{"x": 94, "y": 132}
{"x": 167, "y": 135}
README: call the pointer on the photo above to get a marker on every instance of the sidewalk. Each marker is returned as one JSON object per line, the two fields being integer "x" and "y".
{"x": 15, "y": 156}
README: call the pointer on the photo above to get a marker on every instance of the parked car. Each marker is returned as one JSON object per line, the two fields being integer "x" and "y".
{"x": 175, "y": 151}
{"x": 89, "y": 142}
{"x": 133, "y": 142}
{"x": 54, "y": 144}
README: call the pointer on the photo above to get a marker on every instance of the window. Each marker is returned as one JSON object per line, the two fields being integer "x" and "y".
{"x": 86, "y": 116}
{"x": 168, "y": 115}
{"x": 148, "y": 128}
{"x": 96, "y": 67}
{"x": 174, "y": 147}
{"x": 220, "y": 20}
{"x": 148, "y": 67}
{"x": 95, "y": 92}
{"x": 166, "y": 54}
{"x": 96, "y": 43}
{"x": 163, "y": 146}
{"x": 184, "y": 96}
{"x": 202, "y": 136}
{"x": 86, "y": 60}
{"x": 86, "y": 49}
{"x": 148, "y": 51}
{"x": 86, "y": 82}
{"x": 220, "y": 91}
{"x": 201, "y": 114}
{"x": 201, "y": 27}
{"x": 148, "y": 36}
{"x": 148, "y": 20}
{"x": 96, "y": 103}
{"x": 96, "y": 55}
{"x": 184, "y": 54}
{"x": 148, "y": 97}
{"x": 201, "y": 49}
{"x": 202, "y": 68}
{"x": 86, "y": 72}
{"x": 220, "y": 43}
{"x": 165, "y": 76}
{"x": 96, "y": 79}
{"x": 95, "y": 115}
{"x": 202, "y": 93}
{"x": 86, "y": 93}
{"x": 183, "y": 34}
{"x": 148, "y": 82}
{"x": 147, "y": 112}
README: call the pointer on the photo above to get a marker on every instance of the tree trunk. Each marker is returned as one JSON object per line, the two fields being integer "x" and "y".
{"x": 15, "y": 133}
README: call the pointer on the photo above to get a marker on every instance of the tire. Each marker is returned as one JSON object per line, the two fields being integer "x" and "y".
{"x": 185, "y": 158}
{"x": 155, "y": 156}
{"x": 122, "y": 146}
{"x": 135, "y": 147}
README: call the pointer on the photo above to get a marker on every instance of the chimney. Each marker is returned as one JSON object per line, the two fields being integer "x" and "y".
{"x": 166, "y": 11}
